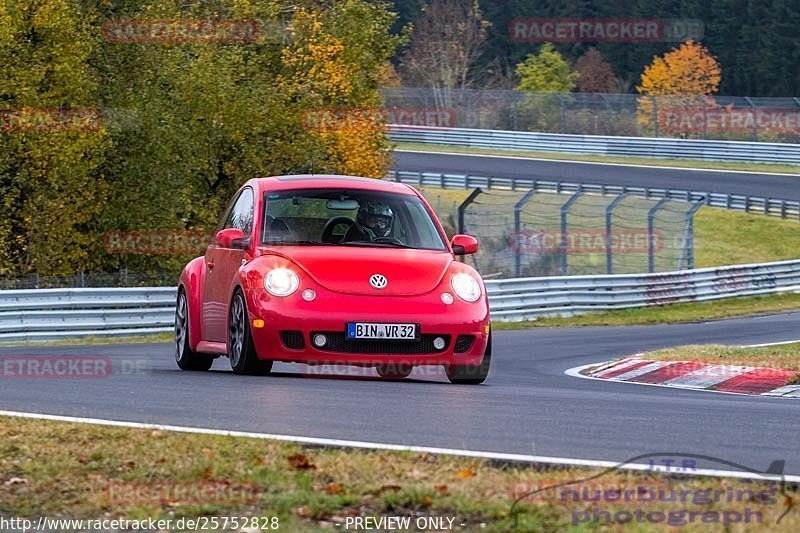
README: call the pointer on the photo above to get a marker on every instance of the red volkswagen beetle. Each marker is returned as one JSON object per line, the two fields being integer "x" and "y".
{"x": 333, "y": 270}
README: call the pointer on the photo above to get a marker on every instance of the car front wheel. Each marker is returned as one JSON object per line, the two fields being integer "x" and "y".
{"x": 186, "y": 358}
{"x": 241, "y": 350}
{"x": 471, "y": 375}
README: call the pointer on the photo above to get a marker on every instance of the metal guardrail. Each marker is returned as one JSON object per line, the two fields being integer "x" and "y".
{"x": 707, "y": 150}
{"x": 523, "y": 299}
{"x": 52, "y": 314}
{"x": 749, "y": 204}
{"x": 49, "y": 314}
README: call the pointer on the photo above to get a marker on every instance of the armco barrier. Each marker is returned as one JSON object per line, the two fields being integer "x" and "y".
{"x": 526, "y": 299}
{"x": 736, "y": 202}
{"x": 751, "y": 152}
{"x": 51, "y": 314}
{"x": 47, "y": 314}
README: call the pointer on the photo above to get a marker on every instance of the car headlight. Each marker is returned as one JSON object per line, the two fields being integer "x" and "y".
{"x": 466, "y": 287}
{"x": 281, "y": 282}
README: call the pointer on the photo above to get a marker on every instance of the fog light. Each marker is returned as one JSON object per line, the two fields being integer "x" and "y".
{"x": 309, "y": 295}
{"x": 447, "y": 298}
{"x": 439, "y": 343}
{"x": 320, "y": 340}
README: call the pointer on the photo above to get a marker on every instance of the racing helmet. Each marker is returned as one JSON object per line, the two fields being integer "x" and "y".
{"x": 375, "y": 218}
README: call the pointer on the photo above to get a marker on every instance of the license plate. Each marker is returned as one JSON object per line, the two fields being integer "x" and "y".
{"x": 371, "y": 330}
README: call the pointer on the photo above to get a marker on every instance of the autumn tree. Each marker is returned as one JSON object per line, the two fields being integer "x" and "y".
{"x": 329, "y": 69}
{"x": 546, "y": 72}
{"x": 52, "y": 139}
{"x": 445, "y": 45}
{"x": 184, "y": 123}
{"x": 545, "y": 77}
{"x": 679, "y": 84}
{"x": 595, "y": 74}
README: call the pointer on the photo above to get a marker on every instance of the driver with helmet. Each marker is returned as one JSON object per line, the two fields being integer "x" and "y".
{"x": 373, "y": 221}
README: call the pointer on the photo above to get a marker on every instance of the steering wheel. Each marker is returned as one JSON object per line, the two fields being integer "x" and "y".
{"x": 279, "y": 231}
{"x": 327, "y": 232}
{"x": 389, "y": 240}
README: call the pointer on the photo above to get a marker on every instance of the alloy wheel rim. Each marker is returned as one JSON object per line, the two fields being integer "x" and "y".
{"x": 180, "y": 327}
{"x": 236, "y": 334}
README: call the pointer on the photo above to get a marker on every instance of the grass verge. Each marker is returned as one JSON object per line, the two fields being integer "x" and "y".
{"x": 784, "y": 356}
{"x": 725, "y": 237}
{"x": 766, "y": 168}
{"x": 84, "y": 341}
{"x": 668, "y": 314}
{"x": 70, "y": 470}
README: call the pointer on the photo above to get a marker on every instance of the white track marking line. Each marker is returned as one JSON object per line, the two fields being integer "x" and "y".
{"x": 705, "y": 377}
{"x": 512, "y": 457}
{"x": 636, "y": 372}
{"x": 769, "y": 344}
{"x": 791, "y": 391}
{"x": 571, "y": 161}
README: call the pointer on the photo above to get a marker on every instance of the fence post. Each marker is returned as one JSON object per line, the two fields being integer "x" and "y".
{"x": 564, "y": 235}
{"x": 687, "y": 247}
{"x": 609, "y": 249}
{"x": 517, "y": 228}
{"x": 463, "y": 207}
{"x": 755, "y": 118}
{"x": 655, "y": 115}
{"x": 651, "y": 219}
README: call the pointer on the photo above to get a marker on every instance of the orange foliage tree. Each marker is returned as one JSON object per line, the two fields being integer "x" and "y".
{"x": 678, "y": 89}
{"x": 324, "y": 71}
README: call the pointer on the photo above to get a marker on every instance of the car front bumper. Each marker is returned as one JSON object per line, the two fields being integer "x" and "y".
{"x": 458, "y": 323}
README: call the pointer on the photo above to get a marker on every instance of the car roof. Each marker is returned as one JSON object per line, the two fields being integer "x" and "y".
{"x": 331, "y": 181}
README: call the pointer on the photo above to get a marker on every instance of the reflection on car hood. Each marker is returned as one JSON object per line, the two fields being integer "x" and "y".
{"x": 348, "y": 269}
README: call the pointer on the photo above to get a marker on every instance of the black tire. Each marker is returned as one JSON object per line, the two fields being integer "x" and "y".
{"x": 472, "y": 375}
{"x": 394, "y": 371}
{"x": 187, "y": 358}
{"x": 241, "y": 350}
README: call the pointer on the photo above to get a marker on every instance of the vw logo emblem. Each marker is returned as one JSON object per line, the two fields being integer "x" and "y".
{"x": 378, "y": 281}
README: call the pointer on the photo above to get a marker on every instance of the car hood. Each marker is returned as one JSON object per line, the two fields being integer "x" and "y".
{"x": 347, "y": 269}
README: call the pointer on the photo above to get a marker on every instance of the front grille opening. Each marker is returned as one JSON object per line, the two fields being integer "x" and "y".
{"x": 293, "y": 340}
{"x": 463, "y": 343}
{"x": 337, "y": 342}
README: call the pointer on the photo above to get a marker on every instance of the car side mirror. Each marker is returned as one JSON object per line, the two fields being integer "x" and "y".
{"x": 231, "y": 238}
{"x": 464, "y": 244}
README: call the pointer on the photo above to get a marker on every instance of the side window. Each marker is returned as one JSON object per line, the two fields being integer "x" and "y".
{"x": 241, "y": 214}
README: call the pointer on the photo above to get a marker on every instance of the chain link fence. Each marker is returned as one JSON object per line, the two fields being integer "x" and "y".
{"x": 122, "y": 278}
{"x": 533, "y": 233}
{"x": 686, "y": 116}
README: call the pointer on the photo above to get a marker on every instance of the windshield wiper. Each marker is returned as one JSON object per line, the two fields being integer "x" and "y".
{"x": 297, "y": 242}
{"x": 377, "y": 244}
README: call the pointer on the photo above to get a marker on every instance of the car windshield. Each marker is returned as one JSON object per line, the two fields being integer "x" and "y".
{"x": 348, "y": 217}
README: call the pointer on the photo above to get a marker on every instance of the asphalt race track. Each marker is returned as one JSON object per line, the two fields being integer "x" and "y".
{"x": 527, "y": 406}
{"x": 781, "y": 186}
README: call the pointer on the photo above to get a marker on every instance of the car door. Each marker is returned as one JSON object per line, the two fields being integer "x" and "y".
{"x": 222, "y": 267}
